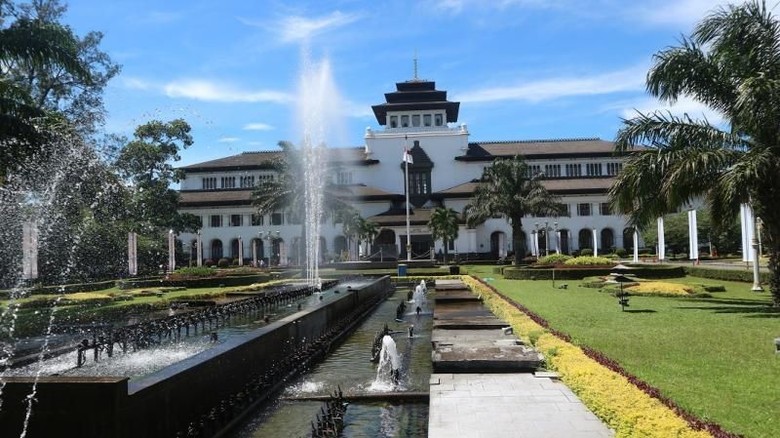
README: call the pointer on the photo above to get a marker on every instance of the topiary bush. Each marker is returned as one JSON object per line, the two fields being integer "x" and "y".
{"x": 621, "y": 252}
{"x": 223, "y": 263}
{"x": 586, "y": 252}
{"x": 194, "y": 271}
{"x": 588, "y": 261}
{"x": 553, "y": 259}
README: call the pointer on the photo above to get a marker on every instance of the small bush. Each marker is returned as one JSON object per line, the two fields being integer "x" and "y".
{"x": 209, "y": 263}
{"x": 588, "y": 261}
{"x": 223, "y": 263}
{"x": 586, "y": 252}
{"x": 553, "y": 259}
{"x": 194, "y": 272}
{"x": 621, "y": 252}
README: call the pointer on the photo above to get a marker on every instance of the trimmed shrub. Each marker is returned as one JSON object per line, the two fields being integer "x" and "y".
{"x": 194, "y": 272}
{"x": 553, "y": 259}
{"x": 586, "y": 252}
{"x": 223, "y": 263}
{"x": 209, "y": 262}
{"x": 725, "y": 274}
{"x": 574, "y": 273}
{"x": 584, "y": 260}
{"x": 621, "y": 252}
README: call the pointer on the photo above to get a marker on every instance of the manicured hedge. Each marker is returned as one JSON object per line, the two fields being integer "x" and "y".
{"x": 199, "y": 282}
{"x": 642, "y": 271}
{"x": 726, "y": 274}
{"x": 62, "y": 289}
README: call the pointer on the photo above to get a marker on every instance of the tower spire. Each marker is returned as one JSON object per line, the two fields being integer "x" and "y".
{"x": 415, "y": 64}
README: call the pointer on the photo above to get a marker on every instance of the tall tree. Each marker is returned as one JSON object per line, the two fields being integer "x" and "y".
{"x": 444, "y": 226}
{"x": 731, "y": 64}
{"x": 146, "y": 162}
{"x": 508, "y": 190}
{"x": 55, "y": 88}
{"x": 23, "y": 123}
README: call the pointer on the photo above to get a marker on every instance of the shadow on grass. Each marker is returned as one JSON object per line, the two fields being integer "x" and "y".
{"x": 754, "y": 308}
{"x": 640, "y": 311}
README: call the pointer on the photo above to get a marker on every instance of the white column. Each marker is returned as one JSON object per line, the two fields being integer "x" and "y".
{"x": 132, "y": 253}
{"x": 595, "y": 243}
{"x": 557, "y": 242}
{"x": 661, "y": 240}
{"x": 171, "y": 251}
{"x": 282, "y": 253}
{"x": 536, "y": 244}
{"x": 199, "y": 243}
{"x": 636, "y": 246}
{"x": 746, "y": 221}
{"x": 254, "y": 252}
{"x": 240, "y": 251}
{"x": 693, "y": 236}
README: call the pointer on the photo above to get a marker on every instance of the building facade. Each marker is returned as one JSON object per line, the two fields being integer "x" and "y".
{"x": 445, "y": 167}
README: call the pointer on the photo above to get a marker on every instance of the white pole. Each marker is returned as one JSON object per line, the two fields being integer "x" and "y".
{"x": 171, "y": 252}
{"x": 595, "y": 244}
{"x": 693, "y": 236}
{"x": 661, "y": 240}
{"x": 746, "y": 221}
{"x": 132, "y": 254}
{"x": 240, "y": 251}
{"x": 200, "y": 250}
{"x": 756, "y": 258}
{"x": 406, "y": 186}
{"x": 636, "y": 246}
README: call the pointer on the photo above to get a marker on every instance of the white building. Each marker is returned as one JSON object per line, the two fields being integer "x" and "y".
{"x": 446, "y": 165}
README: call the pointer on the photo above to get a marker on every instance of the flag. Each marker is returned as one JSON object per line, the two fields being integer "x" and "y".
{"x": 407, "y": 158}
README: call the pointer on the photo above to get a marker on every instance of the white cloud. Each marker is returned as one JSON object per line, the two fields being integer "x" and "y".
{"x": 258, "y": 127}
{"x": 631, "y": 79}
{"x": 228, "y": 139}
{"x": 296, "y": 28}
{"x": 209, "y": 91}
{"x": 135, "y": 83}
{"x": 684, "y": 105}
{"x": 677, "y": 12}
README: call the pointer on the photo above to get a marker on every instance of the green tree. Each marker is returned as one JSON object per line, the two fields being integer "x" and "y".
{"x": 730, "y": 63}
{"x": 23, "y": 123}
{"x": 725, "y": 239}
{"x": 146, "y": 163}
{"x": 508, "y": 190}
{"x": 367, "y": 232}
{"x": 53, "y": 87}
{"x": 444, "y": 226}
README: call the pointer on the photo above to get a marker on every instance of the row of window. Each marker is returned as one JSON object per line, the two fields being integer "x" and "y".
{"x": 229, "y": 182}
{"x": 238, "y": 220}
{"x": 416, "y": 120}
{"x": 574, "y": 169}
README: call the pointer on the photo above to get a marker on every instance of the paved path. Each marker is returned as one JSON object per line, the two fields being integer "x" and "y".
{"x": 507, "y": 405}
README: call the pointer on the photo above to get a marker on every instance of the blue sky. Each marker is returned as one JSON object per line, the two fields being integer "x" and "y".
{"x": 522, "y": 69}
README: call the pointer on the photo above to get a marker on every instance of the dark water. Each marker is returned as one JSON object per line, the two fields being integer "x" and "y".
{"x": 349, "y": 367}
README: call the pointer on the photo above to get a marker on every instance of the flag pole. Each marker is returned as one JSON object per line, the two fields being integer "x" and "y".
{"x": 406, "y": 186}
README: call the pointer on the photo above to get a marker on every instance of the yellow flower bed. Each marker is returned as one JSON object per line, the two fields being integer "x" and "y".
{"x": 629, "y": 411}
{"x": 660, "y": 288}
{"x": 78, "y": 296}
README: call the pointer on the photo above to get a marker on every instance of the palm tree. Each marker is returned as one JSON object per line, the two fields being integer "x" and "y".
{"x": 731, "y": 63}
{"x": 508, "y": 190}
{"x": 287, "y": 190}
{"x": 444, "y": 226}
{"x": 351, "y": 223}
{"x": 36, "y": 45}
{"x": 367, "y": 231}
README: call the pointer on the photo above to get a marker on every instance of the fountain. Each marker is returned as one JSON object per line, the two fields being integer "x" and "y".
{"x": 419, "y": 299}
{"x": 389, "y": 368}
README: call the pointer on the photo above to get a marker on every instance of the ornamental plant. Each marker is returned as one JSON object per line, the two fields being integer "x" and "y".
{"x": 628, "y": 405}
{"x": 553, "y": 259}
{"x": 589, "y": 261}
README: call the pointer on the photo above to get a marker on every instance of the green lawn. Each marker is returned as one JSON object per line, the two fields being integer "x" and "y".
{"x": 713, "y": 356}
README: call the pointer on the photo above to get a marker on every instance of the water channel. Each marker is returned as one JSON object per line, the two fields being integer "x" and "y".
{"x": 349, "y": 367}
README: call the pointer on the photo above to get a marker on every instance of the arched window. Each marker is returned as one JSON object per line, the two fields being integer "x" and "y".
{"x": 216, "y": 249}
{"x": 607, "y": 240}
{"x": 585, "y": 238}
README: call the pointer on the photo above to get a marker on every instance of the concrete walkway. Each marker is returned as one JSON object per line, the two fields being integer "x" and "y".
{"x": 507, "y": 405}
